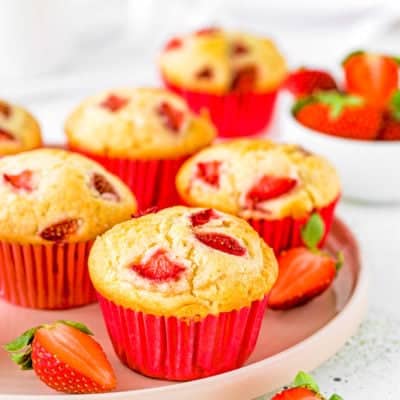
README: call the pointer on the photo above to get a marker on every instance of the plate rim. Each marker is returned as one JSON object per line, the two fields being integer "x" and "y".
{"x": 357, "y": 301}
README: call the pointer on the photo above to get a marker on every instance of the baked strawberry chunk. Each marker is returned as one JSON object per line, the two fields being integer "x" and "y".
{"x": 21, "y": 181}
{"x": 104, "y": 187}
{"x": 171, "y": 117}
{"x": 114, "y": 103}
{"x": 202, "y": 217}
{"x": 209, "y": 172}
{"x": 60, "y": 231}
{"x": 221, "y": 242}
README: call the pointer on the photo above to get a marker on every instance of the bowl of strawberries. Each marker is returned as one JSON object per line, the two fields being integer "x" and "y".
{"x": 356, "y": 125}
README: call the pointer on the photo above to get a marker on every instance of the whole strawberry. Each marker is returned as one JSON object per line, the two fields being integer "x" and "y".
{"x": 304, "y": 82}
{"x": 304, "y": 388}
{"x": 372, "y": 76}
{"x": 65, "y": 357}
{"x": 304, "y": 272}
{"x": 391, "y": 121}
{"x": 339, "y": 114}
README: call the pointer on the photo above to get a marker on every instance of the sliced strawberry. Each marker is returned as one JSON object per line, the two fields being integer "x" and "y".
{"x": 297, "y": 393}
{"x": 104, "y": 188}
{"x": 6, "y": 136}
{"x": 21, "y": 181}
{"x": 209, "y": 172}
{"x": 244, "y": 80}
{"x": 65, "y": 357}
{"x": 238, "y": 49}
{"x": 141, "y": 213}
{"x": 160, "y": 268}
{"x": 205, "y": 73}
{"x": 306, "y": 81}
{"x": 303, "y": 275}
{"x": 372, "y": 76}
{"x": 221, "y": 242}
{"x": 267, "y": 188}
{"x": 173, "y": 44}
{"x": 204, "y": 216}
{"x": 60, "y": 231}
{"x": 171, "y": 117}
{"x": 114, "y": 103}
{"x": 207, "y": 31}
{"x": 5, "y": 109}
{"x": 339, "y": 114}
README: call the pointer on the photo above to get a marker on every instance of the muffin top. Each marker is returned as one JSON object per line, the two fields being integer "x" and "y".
{"x": 51, "y": 195}
{"x": 258, "y": 179}
{"x": 216, "y": 61}
{"x": 182, "y": 262}
{"x": 138, "y": 123}
{"x": 19, "y": 130}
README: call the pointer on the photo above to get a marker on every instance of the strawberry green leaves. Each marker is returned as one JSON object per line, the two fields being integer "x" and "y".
{"x": 313, "y": 231}
{"x": 305, "y": 380}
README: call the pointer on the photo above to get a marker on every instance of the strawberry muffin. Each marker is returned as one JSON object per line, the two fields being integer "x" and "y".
{"x": 275, "y": 187}
{"x": 54, "y": 204}
{"x": 141, "y": 135}
{"x": 19, "y": 130}
{"x": 183, "y": 291}
{"x": 234, "y": 75}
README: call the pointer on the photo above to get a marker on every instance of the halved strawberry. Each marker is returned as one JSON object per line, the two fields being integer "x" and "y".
{"x": 202, "y": 217}
{"x": 22, "y": 181}
{"x": 339, "y": 114}
{"x": 209, "y": 172}
{"x": 65, "y": 357}
{"x": 207, "y": 31}
{"x": 304, "y": 388}
{"x": 6, "y": 136}
{"x": 205, "y": 73}
{"x": 304, "y": 272}
{"x": 173, "y": 44}
{"x": 5, "y": 109}
{"x": 103, "y": 187}
{"x": 171, "y": 117}
{"x": 304, "y": 81}
{"x": 159, "y": 267}
{"x": 114, "y": 103}
{"x": 267, "y": 188}
{"x": 60, "y": 231}
{"x": 244, "y": 79}
{"x": 221, "y": 242}
{"x": 372, "y": 76}
{"x": 391, "y": 122}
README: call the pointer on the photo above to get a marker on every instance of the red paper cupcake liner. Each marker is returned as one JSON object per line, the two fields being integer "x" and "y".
{"x": 285, "y": 233}
{"x": 152, "y": 181}
{"x": 53, "y": 276}
{"x": 233, "y": 114}
{"x": 179, "y": 350}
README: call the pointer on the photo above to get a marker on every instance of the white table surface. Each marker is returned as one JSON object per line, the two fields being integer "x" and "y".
{"x": 369, "y": 364}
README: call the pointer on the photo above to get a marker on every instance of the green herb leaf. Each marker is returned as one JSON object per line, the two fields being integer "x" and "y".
{"x": 313, "y": 231}
{"x": 77, "y": 325}
{"x": 339, "y": 261}
{"x": 21, "y": 341}
{"x": 335, "y": 397}
{"x": 307, "y": 381}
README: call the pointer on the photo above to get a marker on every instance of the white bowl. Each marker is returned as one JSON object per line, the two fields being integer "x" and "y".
{"x": 369, "y": 170}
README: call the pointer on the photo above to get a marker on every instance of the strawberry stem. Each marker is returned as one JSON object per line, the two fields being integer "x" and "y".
{"x": 306, "y": 381}
{"x": 352, "y": 54}
{"x": 335, "y": 397}
{"x": 313, "y": 231}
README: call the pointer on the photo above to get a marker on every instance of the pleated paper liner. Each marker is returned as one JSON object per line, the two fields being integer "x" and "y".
{"x": 178, "y": 349}
{"x": 285, "y": 233}
{"x": 53, "y": 276}
{"x": 152, "y": 181}
{"x": 233, "y": 114}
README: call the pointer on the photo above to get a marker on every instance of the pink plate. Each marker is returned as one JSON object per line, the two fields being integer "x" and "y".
{"x": 299, "y": 339}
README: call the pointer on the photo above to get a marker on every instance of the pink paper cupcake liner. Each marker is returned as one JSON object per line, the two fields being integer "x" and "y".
{"x": 152, "y": 181}
{"x": 285, "y": 233}
{"x": 233, "y": 114}
{"x": 53, "y": 276}
{"x": 178, "y": 349}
